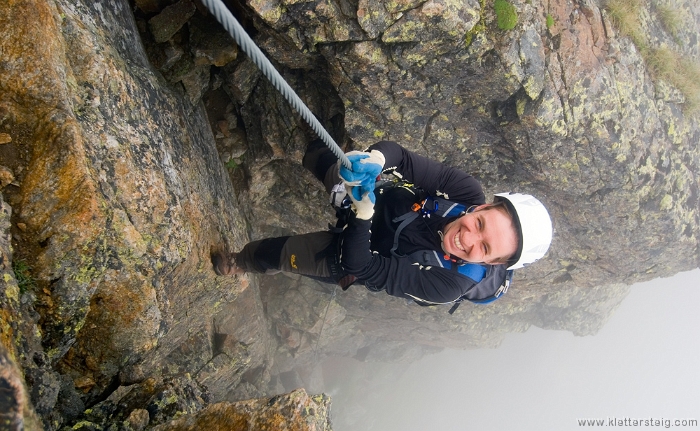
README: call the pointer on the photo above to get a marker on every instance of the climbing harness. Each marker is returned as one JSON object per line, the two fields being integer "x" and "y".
{"x": 234, "y": 28}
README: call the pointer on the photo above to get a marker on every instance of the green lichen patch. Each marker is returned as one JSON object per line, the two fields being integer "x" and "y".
{"x": 480, "y": 26}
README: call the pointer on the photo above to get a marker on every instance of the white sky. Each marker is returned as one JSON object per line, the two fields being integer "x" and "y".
{"x": 644, "y": 363}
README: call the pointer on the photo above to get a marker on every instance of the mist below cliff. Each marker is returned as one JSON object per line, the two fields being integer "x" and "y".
{"x": 642, "y": 364}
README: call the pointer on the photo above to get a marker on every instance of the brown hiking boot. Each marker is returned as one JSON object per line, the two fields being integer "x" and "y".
{"x": 225, "y": 264}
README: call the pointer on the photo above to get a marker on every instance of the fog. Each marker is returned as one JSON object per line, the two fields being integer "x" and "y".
{"x": 643, "y": 364}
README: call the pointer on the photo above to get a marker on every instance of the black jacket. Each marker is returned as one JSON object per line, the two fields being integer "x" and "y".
{"x": 366, "y": 244}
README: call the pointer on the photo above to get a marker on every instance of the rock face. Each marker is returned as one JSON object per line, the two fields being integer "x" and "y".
{"x": 118, "y": 196}
{"x": 134, "y": 138}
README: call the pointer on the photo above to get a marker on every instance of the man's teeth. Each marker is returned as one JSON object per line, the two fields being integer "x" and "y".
{"x": 458, "y": 244}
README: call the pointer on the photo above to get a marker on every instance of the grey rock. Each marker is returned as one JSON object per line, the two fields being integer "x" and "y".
{"x": 151, "y": 6}
{"x": 196, "y": 83}
{"x": 166, "y": 55}
{"x": 241, "y": 80}
{"x": 210, "y": 44}
{"x": 45, "y": 386}
{"x": 69, "y": 403}
{"x": 161, "y": 399}
{"x": 171, "y": 19}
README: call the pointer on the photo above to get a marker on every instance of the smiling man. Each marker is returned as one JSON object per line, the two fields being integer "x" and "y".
{"x": 482, "y": 236}
{"x": 380, "y": 247}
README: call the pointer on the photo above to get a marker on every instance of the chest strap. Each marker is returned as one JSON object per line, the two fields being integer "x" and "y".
{"x": 428, "y": 207}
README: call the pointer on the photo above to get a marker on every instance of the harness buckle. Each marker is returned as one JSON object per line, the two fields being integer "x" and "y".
{"x": 425, "y": 211}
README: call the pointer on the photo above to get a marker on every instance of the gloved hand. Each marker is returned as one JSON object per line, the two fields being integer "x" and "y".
{"x": 361, "y": 178}
{"x": 364, "y": 208}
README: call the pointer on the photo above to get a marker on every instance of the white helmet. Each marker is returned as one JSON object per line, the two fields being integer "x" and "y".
{"x": 533, "y": 224}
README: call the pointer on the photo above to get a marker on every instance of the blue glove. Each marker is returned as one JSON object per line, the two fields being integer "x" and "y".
{"x": 361, "y": 178}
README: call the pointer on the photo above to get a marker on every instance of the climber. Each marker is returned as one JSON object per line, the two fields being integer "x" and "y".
{"x": 512, "y": 232}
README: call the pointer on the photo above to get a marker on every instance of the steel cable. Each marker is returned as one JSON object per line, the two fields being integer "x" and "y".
{"x": 234, "y": 28}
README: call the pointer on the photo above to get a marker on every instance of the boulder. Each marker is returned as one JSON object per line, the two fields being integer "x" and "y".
{"x": 296, "y": 411}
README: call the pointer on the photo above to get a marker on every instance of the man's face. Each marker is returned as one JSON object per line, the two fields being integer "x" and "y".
{"x": 481, "y": 236}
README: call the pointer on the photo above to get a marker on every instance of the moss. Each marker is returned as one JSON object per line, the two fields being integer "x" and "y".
{"x": 231, "y": 164}
{"x": 663, "y": 63}
{"x": 25, "y": 280}
{"x": 506, "y": 15}
{"x": 549, "y": 21}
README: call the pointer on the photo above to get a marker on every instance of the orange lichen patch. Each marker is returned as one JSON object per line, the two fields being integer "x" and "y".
{"x": 61, "y": 178}
{"x": 118, "y": 304}
{"x": 29, "y": 52}
{"x": 57, "y": 195}
{"x": 84, "y": 383}
{"x": 275, "y": 421}
{"x": 122, "y": 320}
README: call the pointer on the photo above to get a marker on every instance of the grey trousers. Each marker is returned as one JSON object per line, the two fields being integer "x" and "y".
{"x": 306, "y": 254}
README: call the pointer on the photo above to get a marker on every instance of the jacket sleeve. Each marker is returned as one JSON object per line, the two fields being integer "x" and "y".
{"x": 398, "y": 275}
{"x": 434, "y": 177}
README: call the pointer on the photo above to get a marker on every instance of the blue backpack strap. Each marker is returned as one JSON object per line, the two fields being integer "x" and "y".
{"x": 474, "y": 271}
{"x": 491, "y": 281}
